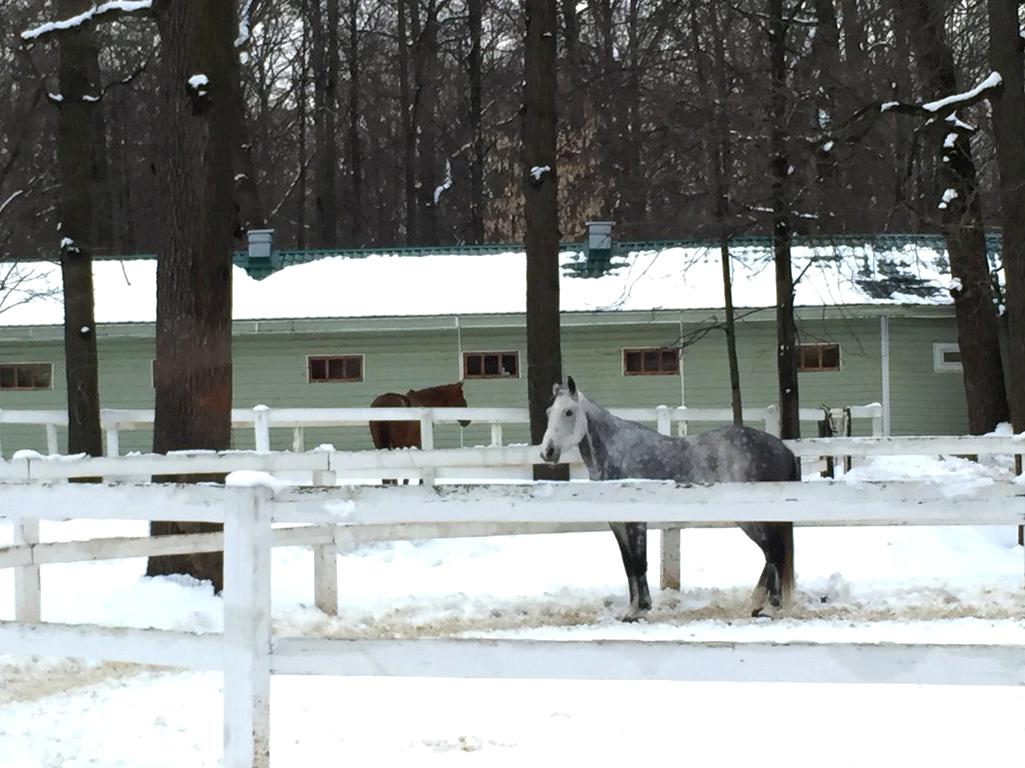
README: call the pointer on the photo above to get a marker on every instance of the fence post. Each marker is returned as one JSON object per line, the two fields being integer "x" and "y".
{"x": 261, "y": 428}
{"x": 877, "y": 421}
{"x": 113, "y": 442}
{"x": 247, "y": 627}
{"x": 325, "y": 578}
{"x": 496, "y": 433}
{"x": 772, "y": 420}
{"x": 298, "y": 440}
{"x": 52, "y": 446}
{"x": 27, "y": 588}
{"x": 427, "y": 441}
{"x": 669, "y": 577}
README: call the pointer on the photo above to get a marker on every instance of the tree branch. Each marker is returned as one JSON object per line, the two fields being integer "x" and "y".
{"x": 112, "y": 8}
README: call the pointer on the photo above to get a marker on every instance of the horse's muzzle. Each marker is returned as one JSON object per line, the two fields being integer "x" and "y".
{"x": 550, "y": 454}
{"x": 464, "y": 423}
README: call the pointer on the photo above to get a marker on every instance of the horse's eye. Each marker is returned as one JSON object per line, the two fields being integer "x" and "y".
{"x": 569, "y": 412}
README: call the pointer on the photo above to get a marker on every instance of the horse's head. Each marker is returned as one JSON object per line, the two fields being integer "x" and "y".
{"x": 567, "y": 423}
{"x": 444, "y": 396}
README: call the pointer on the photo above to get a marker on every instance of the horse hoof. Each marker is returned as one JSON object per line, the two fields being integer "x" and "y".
{"x": 771, "y": 613}
{"x": 633, "y": 615}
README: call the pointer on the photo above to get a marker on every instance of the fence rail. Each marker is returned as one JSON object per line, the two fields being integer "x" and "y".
{"x": 262, "y": 419}
{"x": 328, "y": 517}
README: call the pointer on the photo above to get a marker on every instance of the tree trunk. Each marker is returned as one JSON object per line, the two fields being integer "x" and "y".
{"x": 786, "y": 330}
{"x": 854, "y": 37}
{"x": 355, "y": 150}
{"x": 834, "y": 213}
{"x": 906, "y": 206}
{"x": 303, "y": 83}
{"x": 79, "y": 149}
{"x": 475, "y": 9}
{"x": 250, "y": 212}
{"x": 427, "y": 81}
{"x": 325, "y": 103}
{"x": 192, "y": 374}
{"x": 1005, "y": 57}
{"x": 408, "y": 121}
{"x": 962, "y": 224}
{"x": 719, "y": 169}
{"x": 540, "y": 190}
{"x": 575, "y": 97}
{"x": 608, "y": 101}
{"x": 631, "y": 172}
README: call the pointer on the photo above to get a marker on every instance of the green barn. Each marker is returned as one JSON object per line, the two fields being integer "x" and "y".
{"x": 639, "y": 328}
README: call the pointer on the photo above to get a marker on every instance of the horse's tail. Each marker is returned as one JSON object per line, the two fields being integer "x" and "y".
{"x": 379, "y": 434}
{"x": 787, "y": 581}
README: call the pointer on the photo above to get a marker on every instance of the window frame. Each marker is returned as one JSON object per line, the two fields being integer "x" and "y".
{"x": 482, "y": 354}
{"x": 624, "y": 351}
{"x": 15, "y": 365}
{"x": 939, "y": 365}
{"x": 327, "y": 358}
{"x": 820, "y": 345}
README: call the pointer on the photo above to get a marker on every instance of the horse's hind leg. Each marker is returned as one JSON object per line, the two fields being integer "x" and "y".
{"x": 633, "y": 546}
{"x": 776, "y": 581}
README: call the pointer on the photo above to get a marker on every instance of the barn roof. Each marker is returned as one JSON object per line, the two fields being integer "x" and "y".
{"x": 682, "y": 275}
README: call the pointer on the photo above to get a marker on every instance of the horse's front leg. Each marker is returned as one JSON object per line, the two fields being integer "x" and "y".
{"x": 633, "y": 546}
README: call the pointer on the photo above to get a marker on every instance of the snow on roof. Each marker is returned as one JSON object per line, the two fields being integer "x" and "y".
{"x": 378, "y": 285}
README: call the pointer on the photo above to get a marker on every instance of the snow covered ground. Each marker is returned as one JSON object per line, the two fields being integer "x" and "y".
{"x": 865, "y": 584}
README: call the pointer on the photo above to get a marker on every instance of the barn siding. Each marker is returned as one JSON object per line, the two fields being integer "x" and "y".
{"x": 270, "y": 369}
{"x": 922, "y": 400}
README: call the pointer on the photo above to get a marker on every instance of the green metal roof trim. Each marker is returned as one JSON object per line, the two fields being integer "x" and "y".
{"x": 582, "y": 264}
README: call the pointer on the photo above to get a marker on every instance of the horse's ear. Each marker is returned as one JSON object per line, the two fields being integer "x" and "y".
{"x": 572, "y": 385}
{"x": 555, "y": 389}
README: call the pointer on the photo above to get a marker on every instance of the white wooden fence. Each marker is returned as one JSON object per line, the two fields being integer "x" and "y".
{"x": 262, "y": 419}
{"x": 326, "y": 517}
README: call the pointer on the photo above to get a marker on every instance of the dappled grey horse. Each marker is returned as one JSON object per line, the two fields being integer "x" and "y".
{"x": 615, "y": 449}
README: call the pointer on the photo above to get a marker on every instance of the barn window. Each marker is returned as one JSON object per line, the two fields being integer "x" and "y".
{"x": 491, "y": 365}
{"x": 654, "y": 361}
{"x": 26, "y": 375}
{"x": 946, "y": 357}
{"x": 818, "y": 357}
{"x": 328, "y": 368}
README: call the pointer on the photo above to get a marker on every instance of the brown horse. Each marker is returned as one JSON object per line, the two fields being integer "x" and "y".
{"x": 406, "y": 434}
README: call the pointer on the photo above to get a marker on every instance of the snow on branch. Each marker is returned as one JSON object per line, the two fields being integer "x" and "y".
{"x": 243, "y": 24}
{"x": 967, "y": 98}
{"x": 942, "y": 108}
{"x": 111, "y": 6}
{"x": 11, "y": 199}
{"x": 446, "y": 184}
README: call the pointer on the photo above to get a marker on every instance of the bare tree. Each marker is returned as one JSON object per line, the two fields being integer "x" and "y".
{"x": 192, "y": 374}
{"x": 81, "y": 157}
{"x": 786, "y": 329}
{"x": 962, "y": 219}
{"x": 540, "y": 190}
{"x": 1005, "y": 56}
{"x": 475, "y": 12}
{"x": 355, "y": 148}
